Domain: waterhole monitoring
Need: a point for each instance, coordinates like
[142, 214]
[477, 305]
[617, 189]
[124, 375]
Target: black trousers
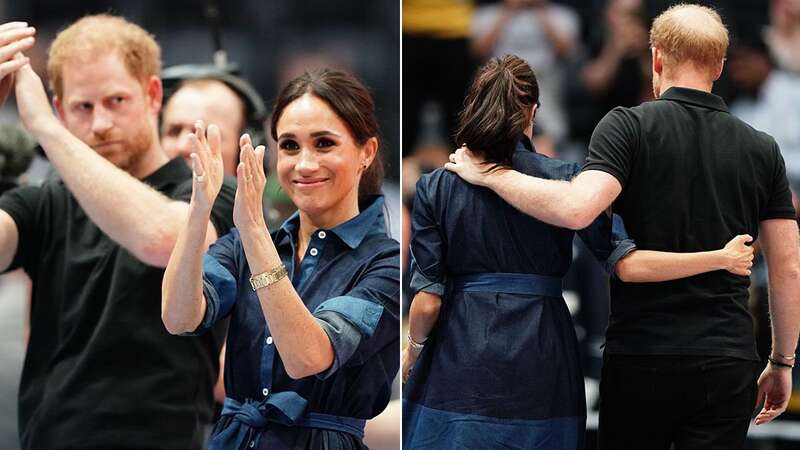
[694, 402]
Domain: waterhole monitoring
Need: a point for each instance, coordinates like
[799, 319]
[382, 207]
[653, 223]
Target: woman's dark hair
[497, 109]
[351, 101]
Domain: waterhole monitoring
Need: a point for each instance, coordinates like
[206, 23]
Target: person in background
[544, 34]
[437, 64]
[783, 34]
[214, 96]
[766, 98]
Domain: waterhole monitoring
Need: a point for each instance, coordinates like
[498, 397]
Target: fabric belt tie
[284, 408]
[508, 283]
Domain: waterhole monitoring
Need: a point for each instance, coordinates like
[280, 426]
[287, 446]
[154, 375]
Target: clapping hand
[15, 38]
[206, 165]
[248, 209]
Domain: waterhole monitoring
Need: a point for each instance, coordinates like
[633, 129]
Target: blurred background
[267, 44]
[590, 56]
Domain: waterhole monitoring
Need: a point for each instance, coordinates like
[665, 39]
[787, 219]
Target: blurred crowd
[589, 57]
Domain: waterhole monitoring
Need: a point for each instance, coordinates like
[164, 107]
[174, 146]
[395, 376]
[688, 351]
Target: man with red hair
[101, 371]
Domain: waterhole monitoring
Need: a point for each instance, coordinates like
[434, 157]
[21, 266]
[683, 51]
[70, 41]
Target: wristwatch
[267, 278]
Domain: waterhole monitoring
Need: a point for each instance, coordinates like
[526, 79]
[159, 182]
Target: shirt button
[269, 340]
[265, 391]
[252, 444]
[322, 235]
[314, 252]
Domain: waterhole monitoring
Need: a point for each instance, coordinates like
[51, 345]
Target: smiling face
[110, 110]
[319, 164]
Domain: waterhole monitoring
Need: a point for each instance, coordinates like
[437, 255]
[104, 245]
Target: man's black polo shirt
[101, 371]
[693, 176]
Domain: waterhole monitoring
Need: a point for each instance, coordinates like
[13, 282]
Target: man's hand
[15, 37]
[469, 167]
[774, 389]
[32, 102]
[206, 165]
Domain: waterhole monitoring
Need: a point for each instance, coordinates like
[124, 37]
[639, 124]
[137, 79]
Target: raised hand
[739, 255]
[15, 37]
[33, 106]
[248, 209]
[206, 164]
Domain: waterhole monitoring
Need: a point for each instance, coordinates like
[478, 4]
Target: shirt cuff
[212, 310]
[623, 249]
[347, 321]
[344, 338]
[420, 283]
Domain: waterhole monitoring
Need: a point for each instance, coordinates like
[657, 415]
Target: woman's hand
[408, 359]
[739, 256]
[206, 165]
[248, 208]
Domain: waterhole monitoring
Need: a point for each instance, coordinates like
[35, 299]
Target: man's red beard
[124, 153]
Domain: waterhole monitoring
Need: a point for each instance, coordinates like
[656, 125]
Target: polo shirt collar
[695, 97]
[368, 222]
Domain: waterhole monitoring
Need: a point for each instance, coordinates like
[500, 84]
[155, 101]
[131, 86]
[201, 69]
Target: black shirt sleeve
[779, 204]
[22, 204]
[222, 213]
[612, 146]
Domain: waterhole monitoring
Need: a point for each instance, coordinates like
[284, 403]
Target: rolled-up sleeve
[219, 280]
[364, 320]
[608, 241]
[427, 244]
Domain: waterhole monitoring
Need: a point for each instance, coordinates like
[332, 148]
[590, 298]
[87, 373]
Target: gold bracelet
[268, 278]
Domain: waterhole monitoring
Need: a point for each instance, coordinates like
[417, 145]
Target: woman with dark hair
[313, 336]
[492, 357]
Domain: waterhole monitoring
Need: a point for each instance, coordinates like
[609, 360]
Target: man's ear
[658, 60]
[155, 93]
[59, 107]
[718, 73]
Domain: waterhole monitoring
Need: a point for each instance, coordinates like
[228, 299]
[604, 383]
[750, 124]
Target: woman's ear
[369, 150]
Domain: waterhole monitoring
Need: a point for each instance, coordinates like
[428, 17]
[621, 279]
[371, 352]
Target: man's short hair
[99, 34]
[688, 33]
[208, 84]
